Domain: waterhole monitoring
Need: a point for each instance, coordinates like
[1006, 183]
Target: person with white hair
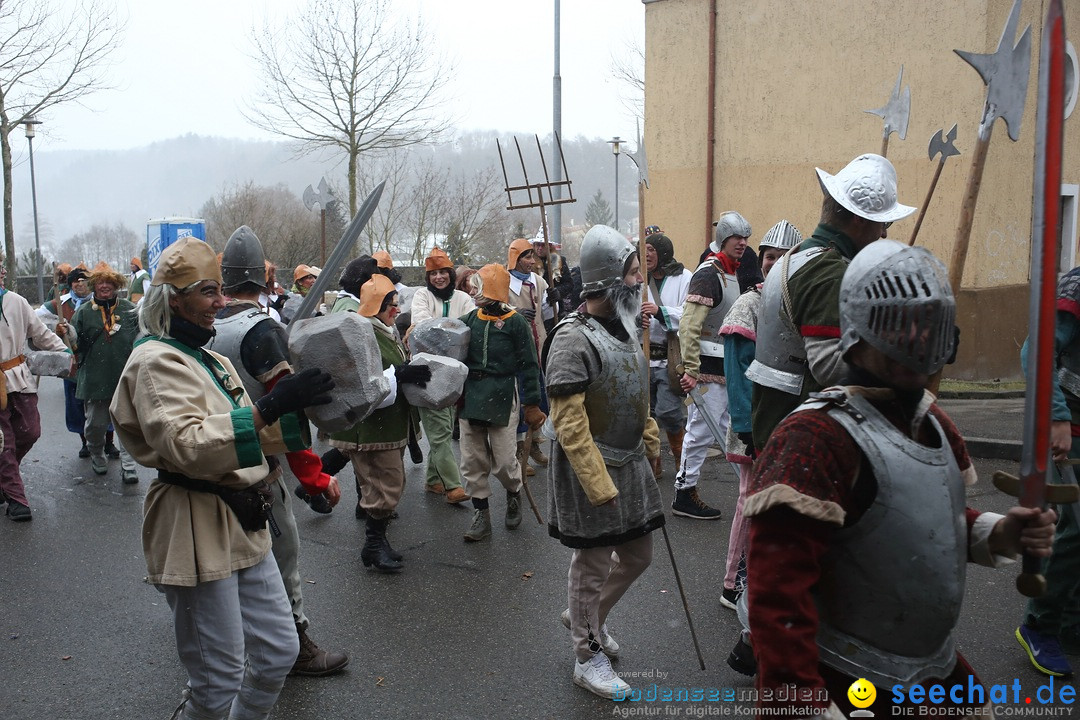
[182, 410]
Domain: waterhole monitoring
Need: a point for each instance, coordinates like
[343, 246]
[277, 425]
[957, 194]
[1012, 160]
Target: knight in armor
[797, 350]
[713, 289]
[1051, 625]
[603, 500]
[257, 346]
[740, 332]
[669, 282]
[440, 299]
[859, 534]
[500, 349]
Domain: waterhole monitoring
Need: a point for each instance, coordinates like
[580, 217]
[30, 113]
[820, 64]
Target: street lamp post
[30, 122]
[615, 148]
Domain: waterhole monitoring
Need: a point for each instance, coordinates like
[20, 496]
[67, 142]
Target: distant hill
[77, 189]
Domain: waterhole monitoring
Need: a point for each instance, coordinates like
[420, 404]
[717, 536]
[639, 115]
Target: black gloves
[553, 296]
[528, 313]
[279, 304]
[295, 392]
[415, 374]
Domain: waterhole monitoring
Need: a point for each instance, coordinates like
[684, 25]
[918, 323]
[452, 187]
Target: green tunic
[388, 428]
[815, 302]
[496, 356]
[102, 355]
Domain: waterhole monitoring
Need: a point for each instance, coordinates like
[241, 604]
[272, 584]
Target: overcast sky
[183, 68]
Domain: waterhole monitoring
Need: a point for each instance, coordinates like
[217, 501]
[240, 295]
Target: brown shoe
[537, 455]
[313, 661]
[657, 471]
[456, 495]
[436, 488]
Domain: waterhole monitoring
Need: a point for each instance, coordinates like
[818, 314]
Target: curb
[991, 449]
[980, 394]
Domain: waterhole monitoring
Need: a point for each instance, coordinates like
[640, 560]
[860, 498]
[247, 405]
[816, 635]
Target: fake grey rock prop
[344, 345]
[49, 362]
[292, 304]
[448, 337]
[443, 390]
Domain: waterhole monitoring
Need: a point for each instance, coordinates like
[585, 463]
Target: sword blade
[1045, 218]
[699, 400]
[334, 262]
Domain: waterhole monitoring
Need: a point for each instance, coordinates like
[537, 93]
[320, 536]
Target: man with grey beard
[603, 498]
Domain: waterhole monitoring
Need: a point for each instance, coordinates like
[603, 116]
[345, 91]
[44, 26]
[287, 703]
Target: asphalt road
[467, 631]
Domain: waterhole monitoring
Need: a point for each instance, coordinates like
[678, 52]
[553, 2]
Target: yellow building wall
[792, 82]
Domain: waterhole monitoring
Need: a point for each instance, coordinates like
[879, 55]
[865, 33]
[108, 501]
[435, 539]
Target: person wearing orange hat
[303, 278]
[376, 445]
[529, 295]
[103, 333]
[439, 298]
[385, 266]
[140, 281]
[500, 347]
[180, 410]
[60, 282]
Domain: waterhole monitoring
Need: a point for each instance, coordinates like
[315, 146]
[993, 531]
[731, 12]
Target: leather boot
[513, 509]
[480, 527]
[675, 440]
[524, 461]
[313, 661]
[386, 539]
[376, 551]
[537, 454]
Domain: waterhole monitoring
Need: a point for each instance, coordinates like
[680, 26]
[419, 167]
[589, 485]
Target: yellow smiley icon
[862, 693]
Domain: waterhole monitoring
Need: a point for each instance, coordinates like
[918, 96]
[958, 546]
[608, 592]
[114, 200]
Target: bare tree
[629, 72]
[477, 211]
[50, 53]
[114, 244]
[428, 206]
[288, 232]
[349, 76]
[386, 222]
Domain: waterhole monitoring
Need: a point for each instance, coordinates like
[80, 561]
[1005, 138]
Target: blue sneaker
[1044, 651]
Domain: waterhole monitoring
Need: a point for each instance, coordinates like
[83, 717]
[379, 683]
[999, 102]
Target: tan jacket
[172, 414]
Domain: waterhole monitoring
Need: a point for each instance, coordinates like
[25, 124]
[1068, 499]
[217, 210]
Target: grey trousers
[97, 422]
[598, 578]
[223, 623]
[286, 548]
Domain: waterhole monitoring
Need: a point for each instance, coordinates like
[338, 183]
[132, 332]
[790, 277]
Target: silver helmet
[730, 223]
[782, 236]
[243, 260]
[603, 256]
[866, 186]
[897, 298]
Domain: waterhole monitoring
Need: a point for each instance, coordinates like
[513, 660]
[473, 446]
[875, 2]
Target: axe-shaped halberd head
[321, 198]
[895, 112]
[943, 145]
[1005, 74]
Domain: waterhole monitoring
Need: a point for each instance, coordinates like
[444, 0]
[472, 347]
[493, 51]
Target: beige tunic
[531, 298]
[172, 414]
[19, 324]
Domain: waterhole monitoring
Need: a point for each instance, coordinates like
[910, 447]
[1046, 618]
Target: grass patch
[991, 386]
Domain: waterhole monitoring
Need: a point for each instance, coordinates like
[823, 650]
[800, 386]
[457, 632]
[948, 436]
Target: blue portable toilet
[162, 233]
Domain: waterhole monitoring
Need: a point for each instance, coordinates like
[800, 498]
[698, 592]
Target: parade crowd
[806, 362]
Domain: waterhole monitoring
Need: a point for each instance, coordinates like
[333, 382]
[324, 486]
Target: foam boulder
[448, 337]
[344, 345]
[443, 390]
[53, 363]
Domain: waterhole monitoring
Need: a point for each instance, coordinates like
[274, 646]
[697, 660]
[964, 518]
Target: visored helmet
[603, 256]
[243, 260]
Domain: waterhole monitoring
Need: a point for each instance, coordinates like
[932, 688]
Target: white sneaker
[607, 643]
[597, 677]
